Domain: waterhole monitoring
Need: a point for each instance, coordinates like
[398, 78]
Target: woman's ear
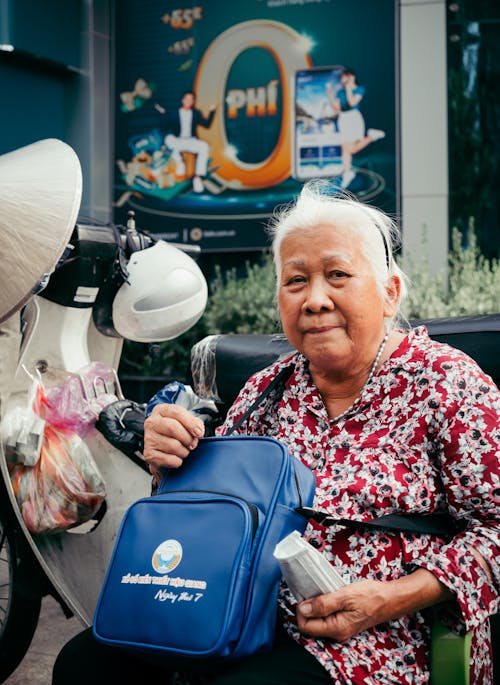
[392, 295]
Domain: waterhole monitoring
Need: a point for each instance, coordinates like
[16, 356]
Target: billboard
[223, 111]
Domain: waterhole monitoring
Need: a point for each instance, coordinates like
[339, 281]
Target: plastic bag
[64, 487]
[22, 432]
[176, 392]
[76, 402]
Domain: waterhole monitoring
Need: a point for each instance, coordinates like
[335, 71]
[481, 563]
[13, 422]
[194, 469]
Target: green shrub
[470, 286]
[243, 305]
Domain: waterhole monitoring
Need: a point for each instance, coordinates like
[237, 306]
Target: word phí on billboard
[261, 101]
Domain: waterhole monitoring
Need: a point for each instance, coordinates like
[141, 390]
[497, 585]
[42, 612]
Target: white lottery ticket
[305, 570]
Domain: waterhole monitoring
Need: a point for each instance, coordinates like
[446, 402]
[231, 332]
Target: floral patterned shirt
[424, 437]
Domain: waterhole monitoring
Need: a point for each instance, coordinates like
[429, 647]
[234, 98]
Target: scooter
[113, 282]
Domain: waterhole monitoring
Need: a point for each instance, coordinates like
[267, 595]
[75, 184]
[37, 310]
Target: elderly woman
[390, 422]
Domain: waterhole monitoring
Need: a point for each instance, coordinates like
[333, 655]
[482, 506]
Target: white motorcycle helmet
[165, 296]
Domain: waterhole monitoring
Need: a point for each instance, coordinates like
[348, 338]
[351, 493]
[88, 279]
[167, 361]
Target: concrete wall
[424, 128]
[91, 128]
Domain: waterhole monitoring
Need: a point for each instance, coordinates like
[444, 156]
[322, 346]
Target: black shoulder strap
[429, 524]
[278, 383]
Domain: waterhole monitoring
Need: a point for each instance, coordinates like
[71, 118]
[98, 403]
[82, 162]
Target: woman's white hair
[316, 205]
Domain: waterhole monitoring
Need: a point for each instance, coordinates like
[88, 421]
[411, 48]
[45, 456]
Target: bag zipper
[254, 511]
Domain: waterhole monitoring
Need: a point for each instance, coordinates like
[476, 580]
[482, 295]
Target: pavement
[53, 631]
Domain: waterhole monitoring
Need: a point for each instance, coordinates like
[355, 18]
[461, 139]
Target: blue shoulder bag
[192, 572]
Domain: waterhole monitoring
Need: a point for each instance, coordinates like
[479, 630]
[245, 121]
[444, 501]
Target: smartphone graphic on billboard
[316, 145]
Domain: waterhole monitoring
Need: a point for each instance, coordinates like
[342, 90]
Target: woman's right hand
[170, 433]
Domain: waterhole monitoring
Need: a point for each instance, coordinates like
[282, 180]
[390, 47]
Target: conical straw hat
[40, 193]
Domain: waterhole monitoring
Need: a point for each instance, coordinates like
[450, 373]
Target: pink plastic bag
[76, 403]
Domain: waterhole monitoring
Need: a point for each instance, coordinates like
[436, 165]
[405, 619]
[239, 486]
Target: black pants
[84, 661]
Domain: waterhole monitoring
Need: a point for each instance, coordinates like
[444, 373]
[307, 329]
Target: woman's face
[331, 307]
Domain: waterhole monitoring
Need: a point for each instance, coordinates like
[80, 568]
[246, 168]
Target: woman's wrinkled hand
[171, 432]
[344, 613]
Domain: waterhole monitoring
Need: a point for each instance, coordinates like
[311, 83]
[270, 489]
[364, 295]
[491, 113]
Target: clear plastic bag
[64, 486]
[176, 392]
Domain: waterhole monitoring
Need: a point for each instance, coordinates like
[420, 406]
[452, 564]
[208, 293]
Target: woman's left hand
[344, 613]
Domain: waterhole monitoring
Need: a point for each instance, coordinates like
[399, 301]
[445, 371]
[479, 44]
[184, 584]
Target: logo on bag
[167, 556]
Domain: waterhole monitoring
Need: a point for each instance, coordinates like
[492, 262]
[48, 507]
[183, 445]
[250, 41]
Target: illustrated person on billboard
[351, 124]
[182, 138]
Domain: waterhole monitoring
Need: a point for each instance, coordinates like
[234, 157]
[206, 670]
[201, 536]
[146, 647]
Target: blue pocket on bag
[171, 578]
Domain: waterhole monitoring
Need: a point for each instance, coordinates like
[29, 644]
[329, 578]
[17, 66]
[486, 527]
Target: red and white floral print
[424, 437]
